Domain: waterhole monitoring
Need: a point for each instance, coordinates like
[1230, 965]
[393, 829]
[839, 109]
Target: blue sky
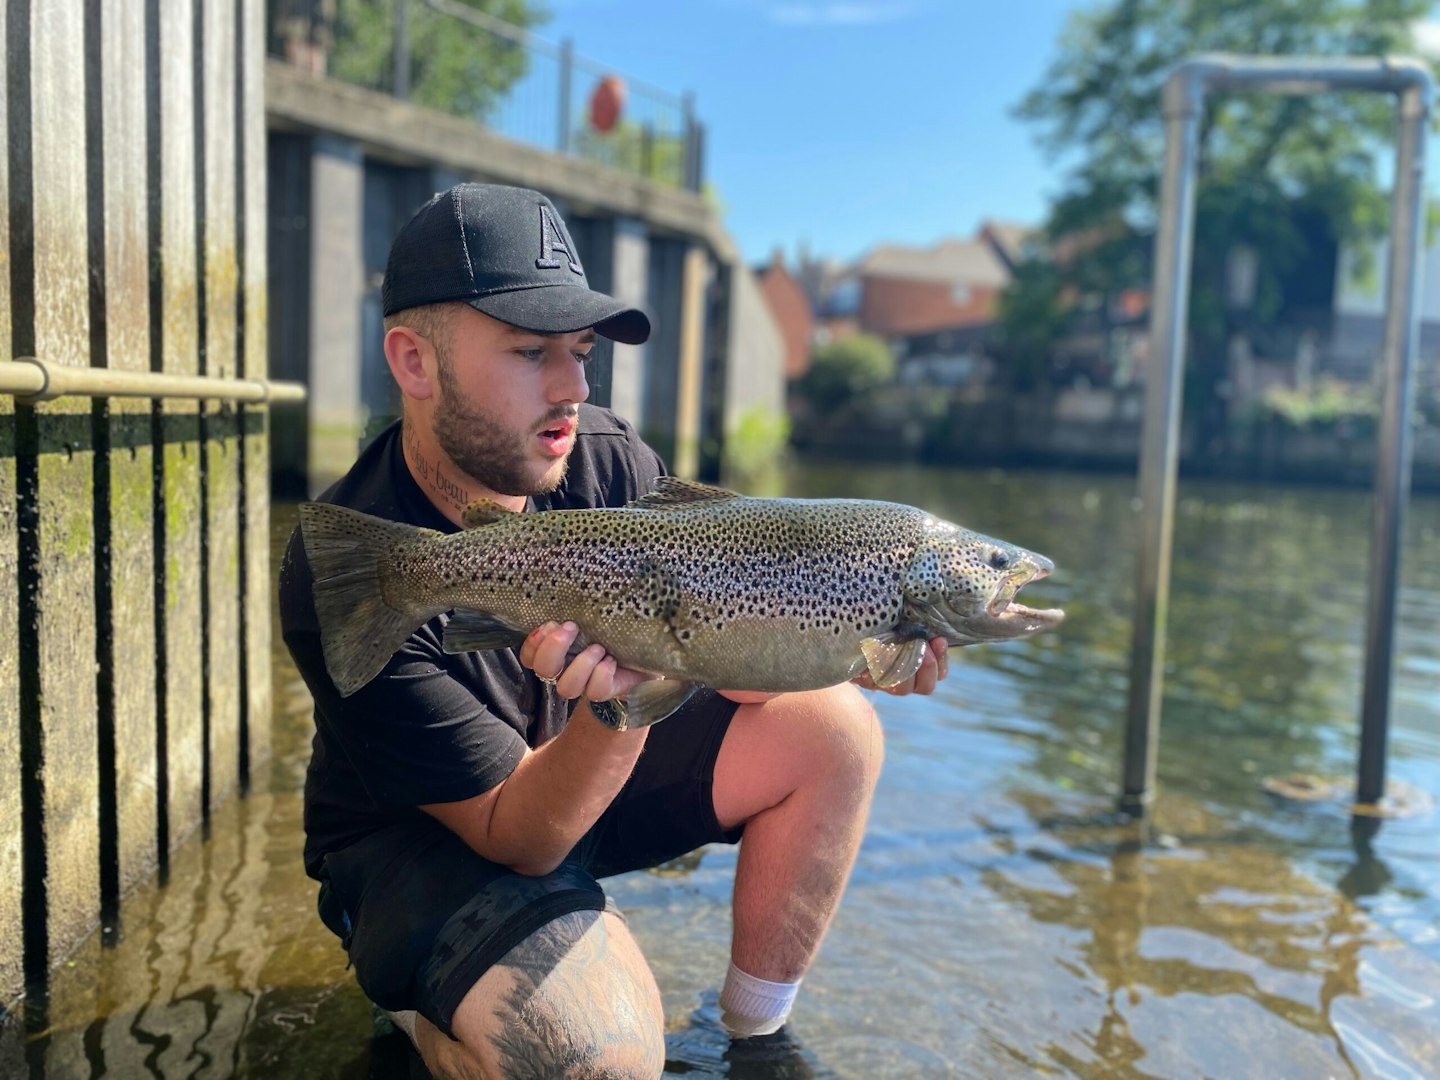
[845, 123]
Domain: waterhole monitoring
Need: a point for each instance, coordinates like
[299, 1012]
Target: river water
[1001, 921]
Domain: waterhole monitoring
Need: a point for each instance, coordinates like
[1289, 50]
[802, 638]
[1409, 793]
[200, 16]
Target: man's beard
[482, 447]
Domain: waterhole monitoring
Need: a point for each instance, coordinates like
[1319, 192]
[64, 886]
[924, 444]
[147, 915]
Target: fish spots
[831, 572]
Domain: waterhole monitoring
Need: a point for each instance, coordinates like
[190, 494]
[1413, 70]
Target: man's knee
[575, 999]
[841, 731]
[831, 734]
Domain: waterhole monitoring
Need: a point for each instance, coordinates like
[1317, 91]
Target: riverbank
[1095, 430]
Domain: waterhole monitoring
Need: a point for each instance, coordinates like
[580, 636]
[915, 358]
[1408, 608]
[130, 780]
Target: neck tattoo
[418, 461]
[450, 489]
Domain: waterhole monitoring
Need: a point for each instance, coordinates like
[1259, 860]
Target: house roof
[1009, 237]
[956, 262]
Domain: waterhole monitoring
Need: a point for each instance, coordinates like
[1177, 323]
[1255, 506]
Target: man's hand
[593, 674]
[534, 817]
[934, 667]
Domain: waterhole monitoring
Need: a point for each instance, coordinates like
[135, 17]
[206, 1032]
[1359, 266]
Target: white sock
[751, 1006]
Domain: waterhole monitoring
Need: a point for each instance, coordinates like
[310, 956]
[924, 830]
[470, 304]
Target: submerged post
[1393, 454]
[1183, 99]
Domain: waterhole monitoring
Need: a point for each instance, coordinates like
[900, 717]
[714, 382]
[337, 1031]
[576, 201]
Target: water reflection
[1002, 919]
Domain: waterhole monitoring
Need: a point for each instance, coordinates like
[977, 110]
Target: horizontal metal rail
[30, 379]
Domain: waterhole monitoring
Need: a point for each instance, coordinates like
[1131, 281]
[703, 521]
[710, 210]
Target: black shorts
[422, 917]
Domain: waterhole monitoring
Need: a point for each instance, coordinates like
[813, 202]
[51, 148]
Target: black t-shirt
[432, 726]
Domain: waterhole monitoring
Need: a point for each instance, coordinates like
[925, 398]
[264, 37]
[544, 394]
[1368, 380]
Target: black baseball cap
[504, 251]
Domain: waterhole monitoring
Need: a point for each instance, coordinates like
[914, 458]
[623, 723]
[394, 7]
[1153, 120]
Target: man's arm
[532, 819]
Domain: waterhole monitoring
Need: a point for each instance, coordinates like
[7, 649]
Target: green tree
[1032, 316]
[843, 370]
[455, 66]
[1281, 178]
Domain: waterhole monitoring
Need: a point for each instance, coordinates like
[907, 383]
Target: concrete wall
[629, 282]
[755, 377]
[134, 574]
[336, 285]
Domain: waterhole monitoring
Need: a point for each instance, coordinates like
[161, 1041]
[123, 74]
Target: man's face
[508, 401]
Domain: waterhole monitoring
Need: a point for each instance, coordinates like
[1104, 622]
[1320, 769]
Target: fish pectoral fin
[646, 704]
[483, 512]
[468, 631]
[671, 492]
[890, 660]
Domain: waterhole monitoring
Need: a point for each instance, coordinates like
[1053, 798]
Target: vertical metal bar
[689, 168]
[698, 183]
[567, 67]
[1393, 456]
[1160, 438]
[401, 82]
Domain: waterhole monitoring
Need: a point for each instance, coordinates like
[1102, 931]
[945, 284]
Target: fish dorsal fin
[671, 491]
[483, 512]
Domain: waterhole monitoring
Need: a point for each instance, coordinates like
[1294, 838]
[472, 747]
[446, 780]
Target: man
[459, 808]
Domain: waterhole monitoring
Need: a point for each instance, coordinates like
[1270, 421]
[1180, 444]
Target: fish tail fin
[359, 630]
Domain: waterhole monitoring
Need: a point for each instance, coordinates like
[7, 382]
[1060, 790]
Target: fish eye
[999, 560]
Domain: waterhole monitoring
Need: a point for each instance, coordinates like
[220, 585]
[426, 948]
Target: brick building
[790, 308]
[906, 291]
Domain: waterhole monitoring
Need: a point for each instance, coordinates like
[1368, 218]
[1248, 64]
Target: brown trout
[702, 586]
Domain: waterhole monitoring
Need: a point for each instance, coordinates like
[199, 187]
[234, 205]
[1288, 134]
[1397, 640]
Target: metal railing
[447, 55]
[1184, 98]
[30, 379]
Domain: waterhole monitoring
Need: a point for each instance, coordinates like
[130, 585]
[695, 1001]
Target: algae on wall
[11, 930]
[55, 473]
[134, 549]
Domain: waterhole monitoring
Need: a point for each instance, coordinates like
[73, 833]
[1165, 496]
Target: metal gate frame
[1183, 100]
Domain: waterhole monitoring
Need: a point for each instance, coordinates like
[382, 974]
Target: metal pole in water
[1393, 452]
[1160, 434]
[1411, 82]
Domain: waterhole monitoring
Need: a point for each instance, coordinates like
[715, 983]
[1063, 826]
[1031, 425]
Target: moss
[755, 446]
[182, 513]
[131, 483]
[67, 503]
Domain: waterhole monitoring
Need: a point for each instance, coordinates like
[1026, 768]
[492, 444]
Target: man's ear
[406, 353]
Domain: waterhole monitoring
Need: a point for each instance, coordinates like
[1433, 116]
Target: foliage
[455, 67]
[1332, 403]
[843, 370]
[1329, 402]
[1284, 177]
[634, 148]
[1032, 315]
[755, 446]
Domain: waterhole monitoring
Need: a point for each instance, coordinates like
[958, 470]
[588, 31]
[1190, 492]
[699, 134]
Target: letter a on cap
[553, 239]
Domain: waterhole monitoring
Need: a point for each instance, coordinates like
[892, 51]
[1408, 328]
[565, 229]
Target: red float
[606, 102]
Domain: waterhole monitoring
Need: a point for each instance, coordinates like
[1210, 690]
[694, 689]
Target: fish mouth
[1021, 618]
